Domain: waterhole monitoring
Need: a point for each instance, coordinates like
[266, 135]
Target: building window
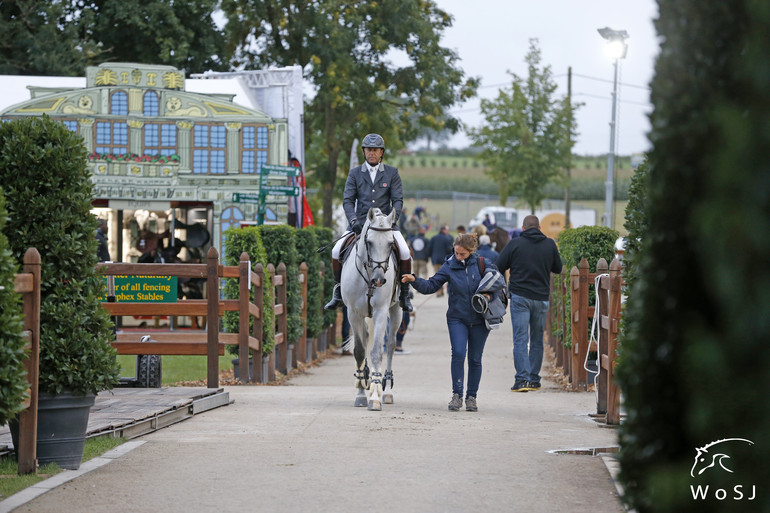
[209, 149]
[151, 104]
[253, 148]
[160, 139]
[71, 125]
[119, 104]
[111, 137]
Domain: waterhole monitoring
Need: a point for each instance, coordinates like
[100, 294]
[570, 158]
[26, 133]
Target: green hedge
[324, 236]
[248, 239]
[12, 375]
[306, 249]
[281, 246]
[48, 193]
[695, 357]
[591, 243]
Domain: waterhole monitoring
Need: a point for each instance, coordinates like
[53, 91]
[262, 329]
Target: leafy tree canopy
[352, 52]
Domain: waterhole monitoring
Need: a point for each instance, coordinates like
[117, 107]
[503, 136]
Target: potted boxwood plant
[48, 197]
[12, 380]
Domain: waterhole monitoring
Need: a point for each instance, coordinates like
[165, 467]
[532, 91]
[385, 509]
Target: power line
[624, 84]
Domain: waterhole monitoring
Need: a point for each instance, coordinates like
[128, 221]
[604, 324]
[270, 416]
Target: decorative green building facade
[163, 159]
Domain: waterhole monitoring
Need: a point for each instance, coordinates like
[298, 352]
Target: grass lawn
[11, 482]
[175, 369]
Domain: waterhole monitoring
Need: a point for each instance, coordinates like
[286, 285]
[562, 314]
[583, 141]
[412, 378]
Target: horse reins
[371, 265]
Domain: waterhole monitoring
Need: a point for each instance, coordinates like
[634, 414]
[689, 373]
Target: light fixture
[616, 49]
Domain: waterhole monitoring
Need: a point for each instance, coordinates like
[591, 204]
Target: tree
[348, 49]
[180, 34]
[63, 37]
[40, 37]
[528, 136]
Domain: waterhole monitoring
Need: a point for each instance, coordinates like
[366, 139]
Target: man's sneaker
[470, 404]
[456, 403]
[520, 386]
[533, 385]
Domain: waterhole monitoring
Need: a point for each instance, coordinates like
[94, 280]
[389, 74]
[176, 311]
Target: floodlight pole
[609, 191]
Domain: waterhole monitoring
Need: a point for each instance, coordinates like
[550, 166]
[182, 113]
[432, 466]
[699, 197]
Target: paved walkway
[304, 447]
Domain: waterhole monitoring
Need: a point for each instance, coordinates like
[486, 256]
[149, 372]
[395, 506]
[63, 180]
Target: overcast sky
[492, 37]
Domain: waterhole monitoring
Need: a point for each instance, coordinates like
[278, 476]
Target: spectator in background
[489, 223]
[485, 250]
[420, 252]
[441, 246]
[531, 259]
[102, 251]
[460, 230]
[412, 227]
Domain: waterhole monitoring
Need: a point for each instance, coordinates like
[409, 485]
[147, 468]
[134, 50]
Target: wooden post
[564, 321]
[258, 333]
[613, 391]
[244, 289]
[302, 349]
[27, 450]
[579, 278]
[602, 300]
[280, 293]
[324, 292]
[212, 320]
[271, 358]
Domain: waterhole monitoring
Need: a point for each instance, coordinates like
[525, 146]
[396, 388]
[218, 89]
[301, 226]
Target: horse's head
[378, 241]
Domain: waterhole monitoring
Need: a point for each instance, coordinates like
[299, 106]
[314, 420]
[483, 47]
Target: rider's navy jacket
[464, 278]
[361, 194]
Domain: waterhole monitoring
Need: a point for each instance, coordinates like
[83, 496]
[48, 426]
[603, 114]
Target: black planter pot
[237, 370]
[62, 421]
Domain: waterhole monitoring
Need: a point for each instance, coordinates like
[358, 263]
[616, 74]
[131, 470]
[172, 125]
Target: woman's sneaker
[456, 403]
[470, 404]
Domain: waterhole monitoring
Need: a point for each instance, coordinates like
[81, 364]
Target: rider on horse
[373, 184]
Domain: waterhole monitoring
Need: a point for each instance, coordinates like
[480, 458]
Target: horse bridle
[371, 265]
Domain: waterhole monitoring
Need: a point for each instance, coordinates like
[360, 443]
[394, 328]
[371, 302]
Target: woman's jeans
[468, 339]
[528, 318]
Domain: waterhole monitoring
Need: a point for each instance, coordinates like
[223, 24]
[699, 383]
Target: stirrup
[336, 300]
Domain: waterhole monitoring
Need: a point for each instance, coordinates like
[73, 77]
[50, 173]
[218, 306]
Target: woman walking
[467, 330]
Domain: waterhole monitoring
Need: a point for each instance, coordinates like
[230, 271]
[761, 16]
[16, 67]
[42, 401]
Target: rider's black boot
[406, 304]
[336, 301]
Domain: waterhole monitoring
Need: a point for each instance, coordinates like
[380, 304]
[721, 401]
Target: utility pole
[569, 157]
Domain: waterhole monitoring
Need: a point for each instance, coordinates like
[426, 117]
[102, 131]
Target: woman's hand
[407, 278]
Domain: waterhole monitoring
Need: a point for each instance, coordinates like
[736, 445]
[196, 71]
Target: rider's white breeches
[403, 248]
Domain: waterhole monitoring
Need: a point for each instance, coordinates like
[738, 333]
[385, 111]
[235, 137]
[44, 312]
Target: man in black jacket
[372, 184]
[531, 259]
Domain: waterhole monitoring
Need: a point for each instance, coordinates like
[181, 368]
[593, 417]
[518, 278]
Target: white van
[505, 217]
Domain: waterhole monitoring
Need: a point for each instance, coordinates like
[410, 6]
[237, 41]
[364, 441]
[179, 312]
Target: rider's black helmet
[373, 141]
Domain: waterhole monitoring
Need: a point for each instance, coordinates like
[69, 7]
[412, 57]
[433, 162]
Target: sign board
[270, 169]
[280, 190]
[245, 197]
[143, 289]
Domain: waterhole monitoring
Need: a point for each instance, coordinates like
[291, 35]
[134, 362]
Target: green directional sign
[280, 190]
[245, 197]
[270, 169]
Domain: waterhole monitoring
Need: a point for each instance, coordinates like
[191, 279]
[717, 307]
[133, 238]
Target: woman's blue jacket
[463, 278]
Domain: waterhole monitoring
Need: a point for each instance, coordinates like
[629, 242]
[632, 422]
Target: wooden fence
[212, 342]
[571, 359]
[27, 283]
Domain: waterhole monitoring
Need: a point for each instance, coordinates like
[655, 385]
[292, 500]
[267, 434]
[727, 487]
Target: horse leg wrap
[388, 376]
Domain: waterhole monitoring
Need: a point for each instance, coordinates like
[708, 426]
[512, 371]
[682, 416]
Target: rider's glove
[356, 226]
